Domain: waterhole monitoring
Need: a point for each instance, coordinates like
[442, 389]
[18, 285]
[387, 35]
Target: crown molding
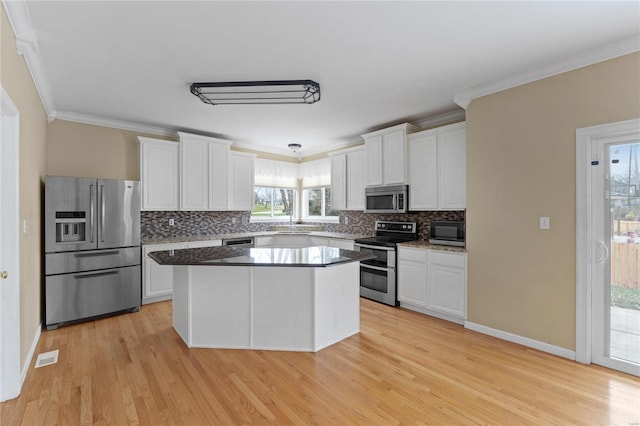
[589, 57]
[117, 124]
[441, 119]
[27, 46]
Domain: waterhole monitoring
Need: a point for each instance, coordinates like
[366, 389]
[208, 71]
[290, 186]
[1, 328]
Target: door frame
[10, 376]
[585, 236]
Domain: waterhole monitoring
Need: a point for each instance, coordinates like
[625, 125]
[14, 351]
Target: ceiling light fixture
[294, 147]
[258, 92]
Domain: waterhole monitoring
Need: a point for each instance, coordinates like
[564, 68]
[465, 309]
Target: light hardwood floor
[403, 367]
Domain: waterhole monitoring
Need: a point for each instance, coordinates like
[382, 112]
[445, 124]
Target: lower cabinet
[268, 241]
[157, 280]
[343, 244]
[433, 282]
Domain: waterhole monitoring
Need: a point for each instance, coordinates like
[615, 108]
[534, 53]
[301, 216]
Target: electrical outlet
[172, 222]
[545, 222]
[233, 220]
[346, 220]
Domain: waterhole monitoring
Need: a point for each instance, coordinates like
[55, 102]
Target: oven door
[378, 275]
[378, 284]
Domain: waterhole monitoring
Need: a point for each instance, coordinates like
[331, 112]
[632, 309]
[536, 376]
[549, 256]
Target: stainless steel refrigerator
[92, 248]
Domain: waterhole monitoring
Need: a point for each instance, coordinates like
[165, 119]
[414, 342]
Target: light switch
[545, 222]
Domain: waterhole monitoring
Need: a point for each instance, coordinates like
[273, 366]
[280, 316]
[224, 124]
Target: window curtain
[315, 173]
[278, 174]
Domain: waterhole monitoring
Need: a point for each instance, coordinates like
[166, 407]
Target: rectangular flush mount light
[258, 92]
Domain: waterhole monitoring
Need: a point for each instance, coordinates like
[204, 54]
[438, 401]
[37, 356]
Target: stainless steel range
[378, 276]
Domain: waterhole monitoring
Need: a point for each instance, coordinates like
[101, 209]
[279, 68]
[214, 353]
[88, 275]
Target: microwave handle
[395, 201]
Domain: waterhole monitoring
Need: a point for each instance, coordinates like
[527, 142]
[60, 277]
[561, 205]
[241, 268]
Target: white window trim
[305, 209]
[257, 219]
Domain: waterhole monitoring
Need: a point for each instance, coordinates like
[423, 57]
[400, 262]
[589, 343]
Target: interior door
[10, 382]
[616, 289]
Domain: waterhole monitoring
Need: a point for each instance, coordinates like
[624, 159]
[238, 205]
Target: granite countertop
[168, 240]
[241, 256]
[424, 244]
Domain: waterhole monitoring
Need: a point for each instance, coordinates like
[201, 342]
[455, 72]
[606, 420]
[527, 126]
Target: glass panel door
[622, 283]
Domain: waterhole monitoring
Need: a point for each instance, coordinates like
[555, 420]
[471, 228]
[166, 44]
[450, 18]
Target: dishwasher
[238, 242]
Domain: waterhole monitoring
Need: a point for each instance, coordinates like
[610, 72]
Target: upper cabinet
[437, 168]
[204, 172]
[241, 171]
[385, 155]
[347, 179]
[159, 166]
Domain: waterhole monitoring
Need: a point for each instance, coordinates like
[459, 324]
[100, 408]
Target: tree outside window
[273, 202]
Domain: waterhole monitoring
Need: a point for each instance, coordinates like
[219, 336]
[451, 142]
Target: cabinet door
[241, 182]
[157, 280]
[339, 182]
[355, 180]
[159, 174]
[292, 241]
[194, 160]
[393, 157]
[318, 241]
[447, 283]
[452, 170]
[423, 173]
[218, 176]
[373, 159]
[412, 276]
[265, 242]
[343, 244]
[207, 243]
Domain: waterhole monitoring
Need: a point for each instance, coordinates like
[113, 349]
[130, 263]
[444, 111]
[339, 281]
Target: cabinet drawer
[455, 260]
[413, 255]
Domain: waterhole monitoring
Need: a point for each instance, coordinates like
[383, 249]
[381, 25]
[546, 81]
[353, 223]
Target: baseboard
[32, 351]
[525, 341]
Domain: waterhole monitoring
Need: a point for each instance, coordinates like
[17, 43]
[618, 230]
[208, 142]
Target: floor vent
[47, 358]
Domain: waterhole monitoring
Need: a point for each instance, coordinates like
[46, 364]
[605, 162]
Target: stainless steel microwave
[386, 199]
[447, 233]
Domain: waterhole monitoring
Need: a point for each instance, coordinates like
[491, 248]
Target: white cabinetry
[318, 241]
[347, 179]
[159, 167]
[433, 282]
[437, 168]
[157, 280]
[339, 243]
[385, 159]
[206, 243]
[447, 286]
[412, 276]
[266, 241]
[241, 167]
[339, 182]
[203, 172]
[291, 241]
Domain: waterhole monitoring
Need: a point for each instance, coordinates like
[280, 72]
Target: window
[273, 202]
[317, 203]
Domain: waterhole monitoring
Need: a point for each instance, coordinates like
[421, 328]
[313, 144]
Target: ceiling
[378, 63]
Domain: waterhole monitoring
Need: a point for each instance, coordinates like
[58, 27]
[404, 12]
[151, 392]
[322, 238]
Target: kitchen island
[291, 299]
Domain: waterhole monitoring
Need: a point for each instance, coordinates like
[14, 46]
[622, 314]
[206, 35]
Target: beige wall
[16, 80]
[86, 150]
[520, 166]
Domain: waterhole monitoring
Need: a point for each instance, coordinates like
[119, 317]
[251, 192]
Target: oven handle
[374, 247]
[377, 268]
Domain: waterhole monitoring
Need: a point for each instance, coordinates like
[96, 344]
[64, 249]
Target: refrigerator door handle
[92, 212]
[103, 211]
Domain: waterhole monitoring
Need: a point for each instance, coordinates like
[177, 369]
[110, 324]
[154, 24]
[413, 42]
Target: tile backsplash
[155, 224]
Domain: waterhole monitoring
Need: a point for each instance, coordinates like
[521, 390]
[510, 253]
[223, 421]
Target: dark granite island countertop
[320, 256]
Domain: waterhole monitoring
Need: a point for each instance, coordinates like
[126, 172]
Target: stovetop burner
[388, 234]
